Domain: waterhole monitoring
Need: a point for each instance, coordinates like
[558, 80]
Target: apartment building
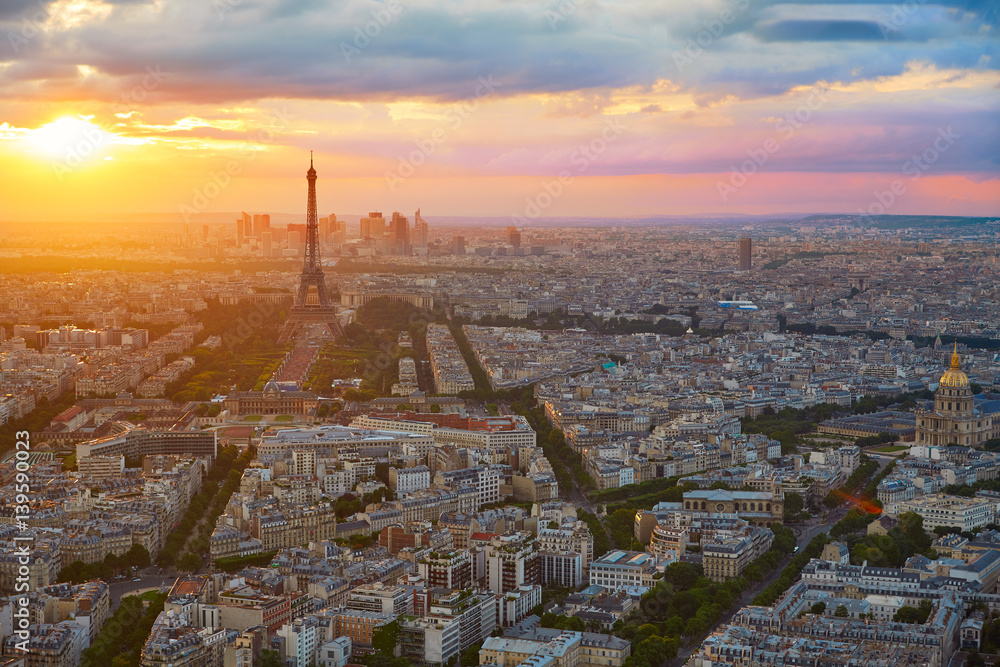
[511, 560]
[405, 480]
[379, 597]
[623, 569]
[726, 558]
[966, 514]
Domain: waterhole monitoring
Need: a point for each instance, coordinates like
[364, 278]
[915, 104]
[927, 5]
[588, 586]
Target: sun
[69, 136]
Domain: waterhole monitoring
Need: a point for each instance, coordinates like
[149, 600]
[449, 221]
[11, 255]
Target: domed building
[958, 417]
[272, 400]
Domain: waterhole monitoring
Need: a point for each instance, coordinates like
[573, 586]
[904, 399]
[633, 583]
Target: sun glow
[69, 136]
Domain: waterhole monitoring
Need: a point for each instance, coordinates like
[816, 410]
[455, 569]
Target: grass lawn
[892, 448]
[284, 418]
[252, 418]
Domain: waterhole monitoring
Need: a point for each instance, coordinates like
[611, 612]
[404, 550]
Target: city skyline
[712, 108]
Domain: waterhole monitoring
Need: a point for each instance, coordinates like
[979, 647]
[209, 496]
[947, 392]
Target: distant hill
[901, 221]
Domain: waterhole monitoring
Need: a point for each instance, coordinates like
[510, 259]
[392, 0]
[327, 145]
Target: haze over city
[468, 110]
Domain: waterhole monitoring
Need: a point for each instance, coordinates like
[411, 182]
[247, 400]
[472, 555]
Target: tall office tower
[247, 225]
[312, 277]
[458, 245]
[421, 233]
[261, 224]
[294, 240]
[240, 232]
[746, 250]
[399, 234]
[339, 232]
[326, 227]
[513, 237]
[265, 240]
[204, 232]
[373, 227]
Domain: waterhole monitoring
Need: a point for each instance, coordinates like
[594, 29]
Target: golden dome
[954, 377]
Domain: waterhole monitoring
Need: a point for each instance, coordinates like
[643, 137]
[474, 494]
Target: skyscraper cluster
[393, 237]
[254, 226]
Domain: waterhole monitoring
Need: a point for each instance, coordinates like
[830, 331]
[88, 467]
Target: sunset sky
[476, 107]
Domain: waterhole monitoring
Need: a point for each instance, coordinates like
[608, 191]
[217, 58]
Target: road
[803, 534]
[120, 589]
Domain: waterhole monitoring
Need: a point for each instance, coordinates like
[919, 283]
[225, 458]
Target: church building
[958, 417]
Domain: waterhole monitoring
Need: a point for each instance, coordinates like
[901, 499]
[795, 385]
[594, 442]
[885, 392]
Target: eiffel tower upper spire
[312, 276]
[311, 261]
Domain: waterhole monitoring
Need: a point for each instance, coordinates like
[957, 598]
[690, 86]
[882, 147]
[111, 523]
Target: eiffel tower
[312, 276]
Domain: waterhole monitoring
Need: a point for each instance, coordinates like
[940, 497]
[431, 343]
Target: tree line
[77, 572]
[120, 641]
[209, 503]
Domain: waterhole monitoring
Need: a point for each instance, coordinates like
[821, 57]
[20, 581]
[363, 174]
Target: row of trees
[566, 464]
[207, 504]
[684, 603]
[870, 491]
[602, 544]
[78, 572]
[621, 525]
[774, 590]
[237, 563]
[120, 641]
[648, 488]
